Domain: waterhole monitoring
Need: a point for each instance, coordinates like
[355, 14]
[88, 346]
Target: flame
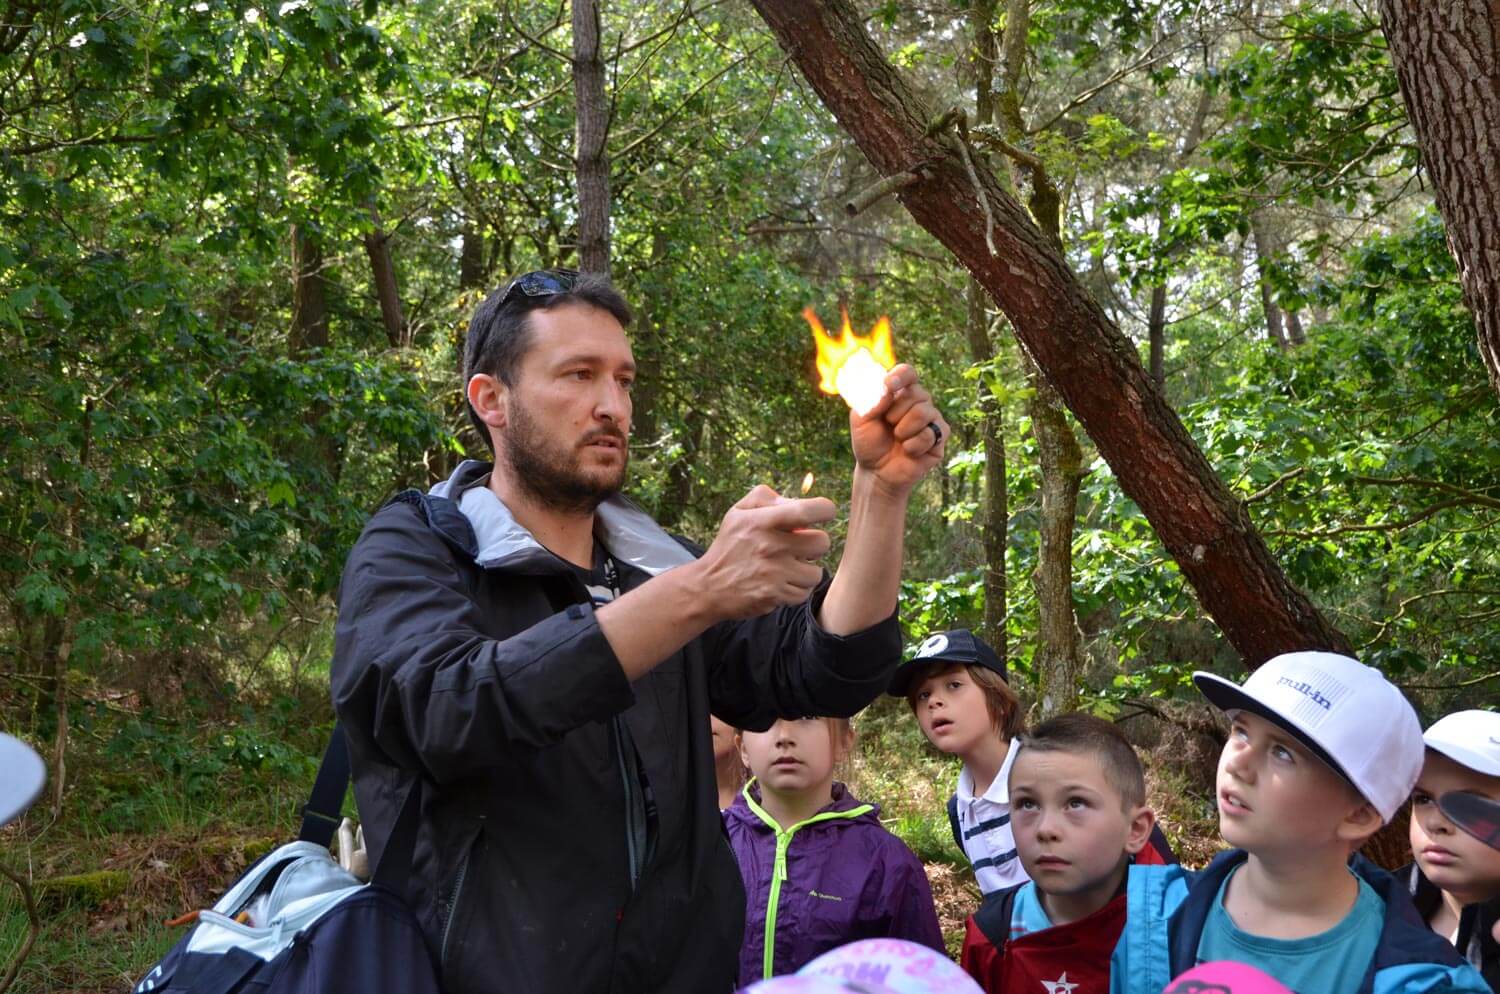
[833, 352]
[807, 484]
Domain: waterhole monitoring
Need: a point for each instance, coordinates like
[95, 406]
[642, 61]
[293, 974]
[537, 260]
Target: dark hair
[500, 334]
[1000, 700]
[1076, 732]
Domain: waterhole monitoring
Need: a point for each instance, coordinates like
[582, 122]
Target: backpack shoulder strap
[958, 833]
[993, 916]
[321, 813]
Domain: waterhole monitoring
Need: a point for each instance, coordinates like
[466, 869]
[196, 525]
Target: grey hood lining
[626, 531]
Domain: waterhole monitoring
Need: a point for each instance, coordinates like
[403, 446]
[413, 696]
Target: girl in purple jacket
[819, 868]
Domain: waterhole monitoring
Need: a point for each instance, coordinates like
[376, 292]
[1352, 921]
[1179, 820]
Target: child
[957, 690]
[1322, 751]
[819, 869]
[1078, 805]
[1455, 879]
[729, 772]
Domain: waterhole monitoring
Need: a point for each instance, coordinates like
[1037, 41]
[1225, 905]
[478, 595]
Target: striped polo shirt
[984, 822]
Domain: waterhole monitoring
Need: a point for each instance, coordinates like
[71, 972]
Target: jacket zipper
[631, 788]
[778, 874]
[458, 889]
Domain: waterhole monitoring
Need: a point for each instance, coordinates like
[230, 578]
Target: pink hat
[795, 985]
[1225, 977]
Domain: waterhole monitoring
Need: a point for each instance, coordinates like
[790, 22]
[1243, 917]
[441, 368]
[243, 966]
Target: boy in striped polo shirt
[957, 690]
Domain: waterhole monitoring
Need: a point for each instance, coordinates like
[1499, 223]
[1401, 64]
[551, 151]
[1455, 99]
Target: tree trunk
[1086, 358]
[591, 167]
[471, 258]
[1058, 662]
[309, 301]
[378, 248]
[1265, 251]
[1156, 330]
[1447, 58]
[994, 516]
[1059, 652]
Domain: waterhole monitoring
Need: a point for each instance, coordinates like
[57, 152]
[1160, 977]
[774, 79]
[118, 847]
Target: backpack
[320, 929]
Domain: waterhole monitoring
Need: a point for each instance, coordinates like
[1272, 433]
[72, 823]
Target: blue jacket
[1167, 909]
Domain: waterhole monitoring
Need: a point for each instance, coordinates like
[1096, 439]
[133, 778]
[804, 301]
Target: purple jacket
[843, 877]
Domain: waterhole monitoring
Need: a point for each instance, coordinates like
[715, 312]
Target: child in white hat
[1455, 878]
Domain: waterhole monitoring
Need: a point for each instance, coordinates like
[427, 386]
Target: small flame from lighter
[807, 484]
[853, 366]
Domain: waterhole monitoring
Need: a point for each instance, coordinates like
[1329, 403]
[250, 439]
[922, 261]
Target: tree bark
[1447, 58]
[591, 167]
[378, 248]
[1087, 359]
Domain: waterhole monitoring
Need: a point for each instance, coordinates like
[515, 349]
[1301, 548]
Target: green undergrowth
[160, 814]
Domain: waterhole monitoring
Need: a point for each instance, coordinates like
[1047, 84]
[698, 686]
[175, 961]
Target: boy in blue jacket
[1322, 751]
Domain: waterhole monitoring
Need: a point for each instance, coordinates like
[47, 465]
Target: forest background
[239, 245]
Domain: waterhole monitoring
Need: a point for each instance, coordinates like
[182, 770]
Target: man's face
[1452, 859]
[568, 413]
[1072, 828]
[1274, 795]
[951, 710]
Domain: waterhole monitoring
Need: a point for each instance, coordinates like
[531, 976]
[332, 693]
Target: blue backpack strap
[958, 833]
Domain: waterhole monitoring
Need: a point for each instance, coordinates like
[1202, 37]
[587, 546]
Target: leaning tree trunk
[383, 271]
[1447, 57]
[591, 167]
[1090, 362]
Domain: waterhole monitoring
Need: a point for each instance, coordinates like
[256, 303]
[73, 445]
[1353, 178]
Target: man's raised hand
[764, 554]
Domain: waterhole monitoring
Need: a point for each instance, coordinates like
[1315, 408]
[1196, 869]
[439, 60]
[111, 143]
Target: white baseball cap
[1469, 738]
[22, 781]
[1346, 713]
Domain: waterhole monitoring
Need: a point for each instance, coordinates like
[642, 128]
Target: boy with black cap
[957, 690]
[1322, 751]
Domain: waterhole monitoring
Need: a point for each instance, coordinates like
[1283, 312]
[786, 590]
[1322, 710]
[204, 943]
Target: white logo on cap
[934, 645]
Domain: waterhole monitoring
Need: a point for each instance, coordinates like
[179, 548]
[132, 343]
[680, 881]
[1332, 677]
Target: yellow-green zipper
[778, 874]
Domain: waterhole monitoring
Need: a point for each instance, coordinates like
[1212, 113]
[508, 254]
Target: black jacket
[468, 665]
[1476, 943]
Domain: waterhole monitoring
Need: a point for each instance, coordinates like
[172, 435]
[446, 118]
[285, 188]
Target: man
[527, 661]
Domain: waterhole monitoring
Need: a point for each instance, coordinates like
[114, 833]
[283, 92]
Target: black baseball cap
[957, 646]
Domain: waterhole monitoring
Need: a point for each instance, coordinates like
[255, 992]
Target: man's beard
[553, 478]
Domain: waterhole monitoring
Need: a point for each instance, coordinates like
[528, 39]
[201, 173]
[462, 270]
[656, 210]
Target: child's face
[1449, 857]
[951, 710]
[1073, 830]
[1276, 797]
[723, 736]
[792, 756]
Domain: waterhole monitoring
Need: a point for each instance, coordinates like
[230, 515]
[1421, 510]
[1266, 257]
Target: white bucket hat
[1346, 713]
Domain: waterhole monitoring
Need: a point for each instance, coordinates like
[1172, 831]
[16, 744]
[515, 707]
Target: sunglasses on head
[540, 283]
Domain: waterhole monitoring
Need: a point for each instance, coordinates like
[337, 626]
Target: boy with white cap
[1455, 878]
[1322, 751]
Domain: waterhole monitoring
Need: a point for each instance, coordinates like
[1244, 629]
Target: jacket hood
[1404, 939]
[843, 801]
[486, 530]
